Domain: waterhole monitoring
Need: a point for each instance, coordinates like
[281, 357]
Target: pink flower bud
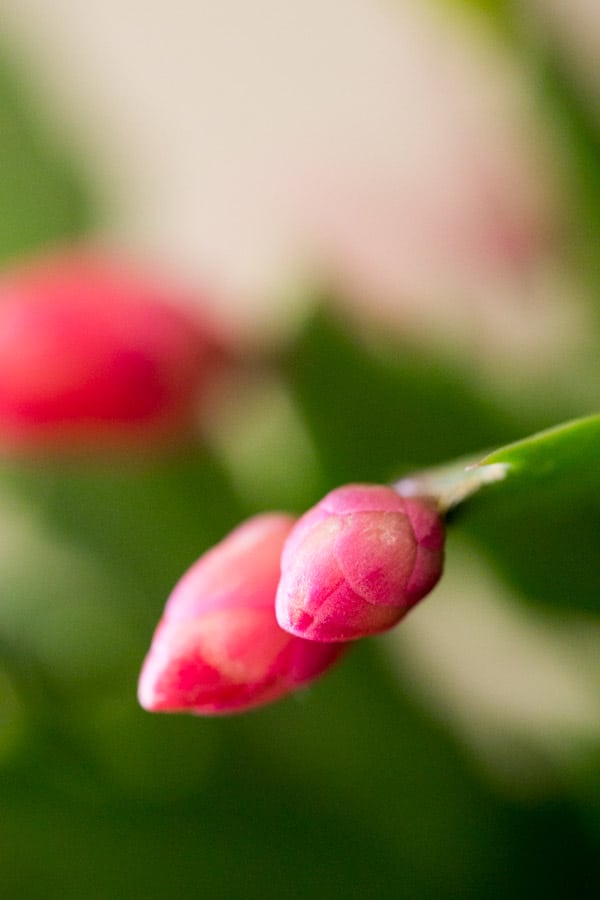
[90, 352]
[218, 648]
[356, 562]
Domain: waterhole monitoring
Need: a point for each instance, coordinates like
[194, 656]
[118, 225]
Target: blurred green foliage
[42, 197]
[355, 789]
[552, 79]
[378, 408]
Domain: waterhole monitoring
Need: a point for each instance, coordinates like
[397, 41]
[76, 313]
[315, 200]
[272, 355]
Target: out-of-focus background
[393, 210]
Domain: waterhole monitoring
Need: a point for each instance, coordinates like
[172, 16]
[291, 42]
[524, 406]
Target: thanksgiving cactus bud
[218, 648]
[355, 563]
[93, 353]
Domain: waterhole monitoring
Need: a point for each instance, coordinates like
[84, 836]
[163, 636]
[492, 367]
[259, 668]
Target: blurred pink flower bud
[357, 561]
[218, 648]
[93, 353]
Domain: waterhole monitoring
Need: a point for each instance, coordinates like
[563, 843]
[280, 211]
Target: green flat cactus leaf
[533, 507]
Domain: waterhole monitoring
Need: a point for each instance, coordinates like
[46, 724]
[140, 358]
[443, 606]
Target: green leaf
[566, 457]
[534, 508]
[562, 459]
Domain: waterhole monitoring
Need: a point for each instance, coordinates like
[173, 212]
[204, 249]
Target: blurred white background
[395, 147]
